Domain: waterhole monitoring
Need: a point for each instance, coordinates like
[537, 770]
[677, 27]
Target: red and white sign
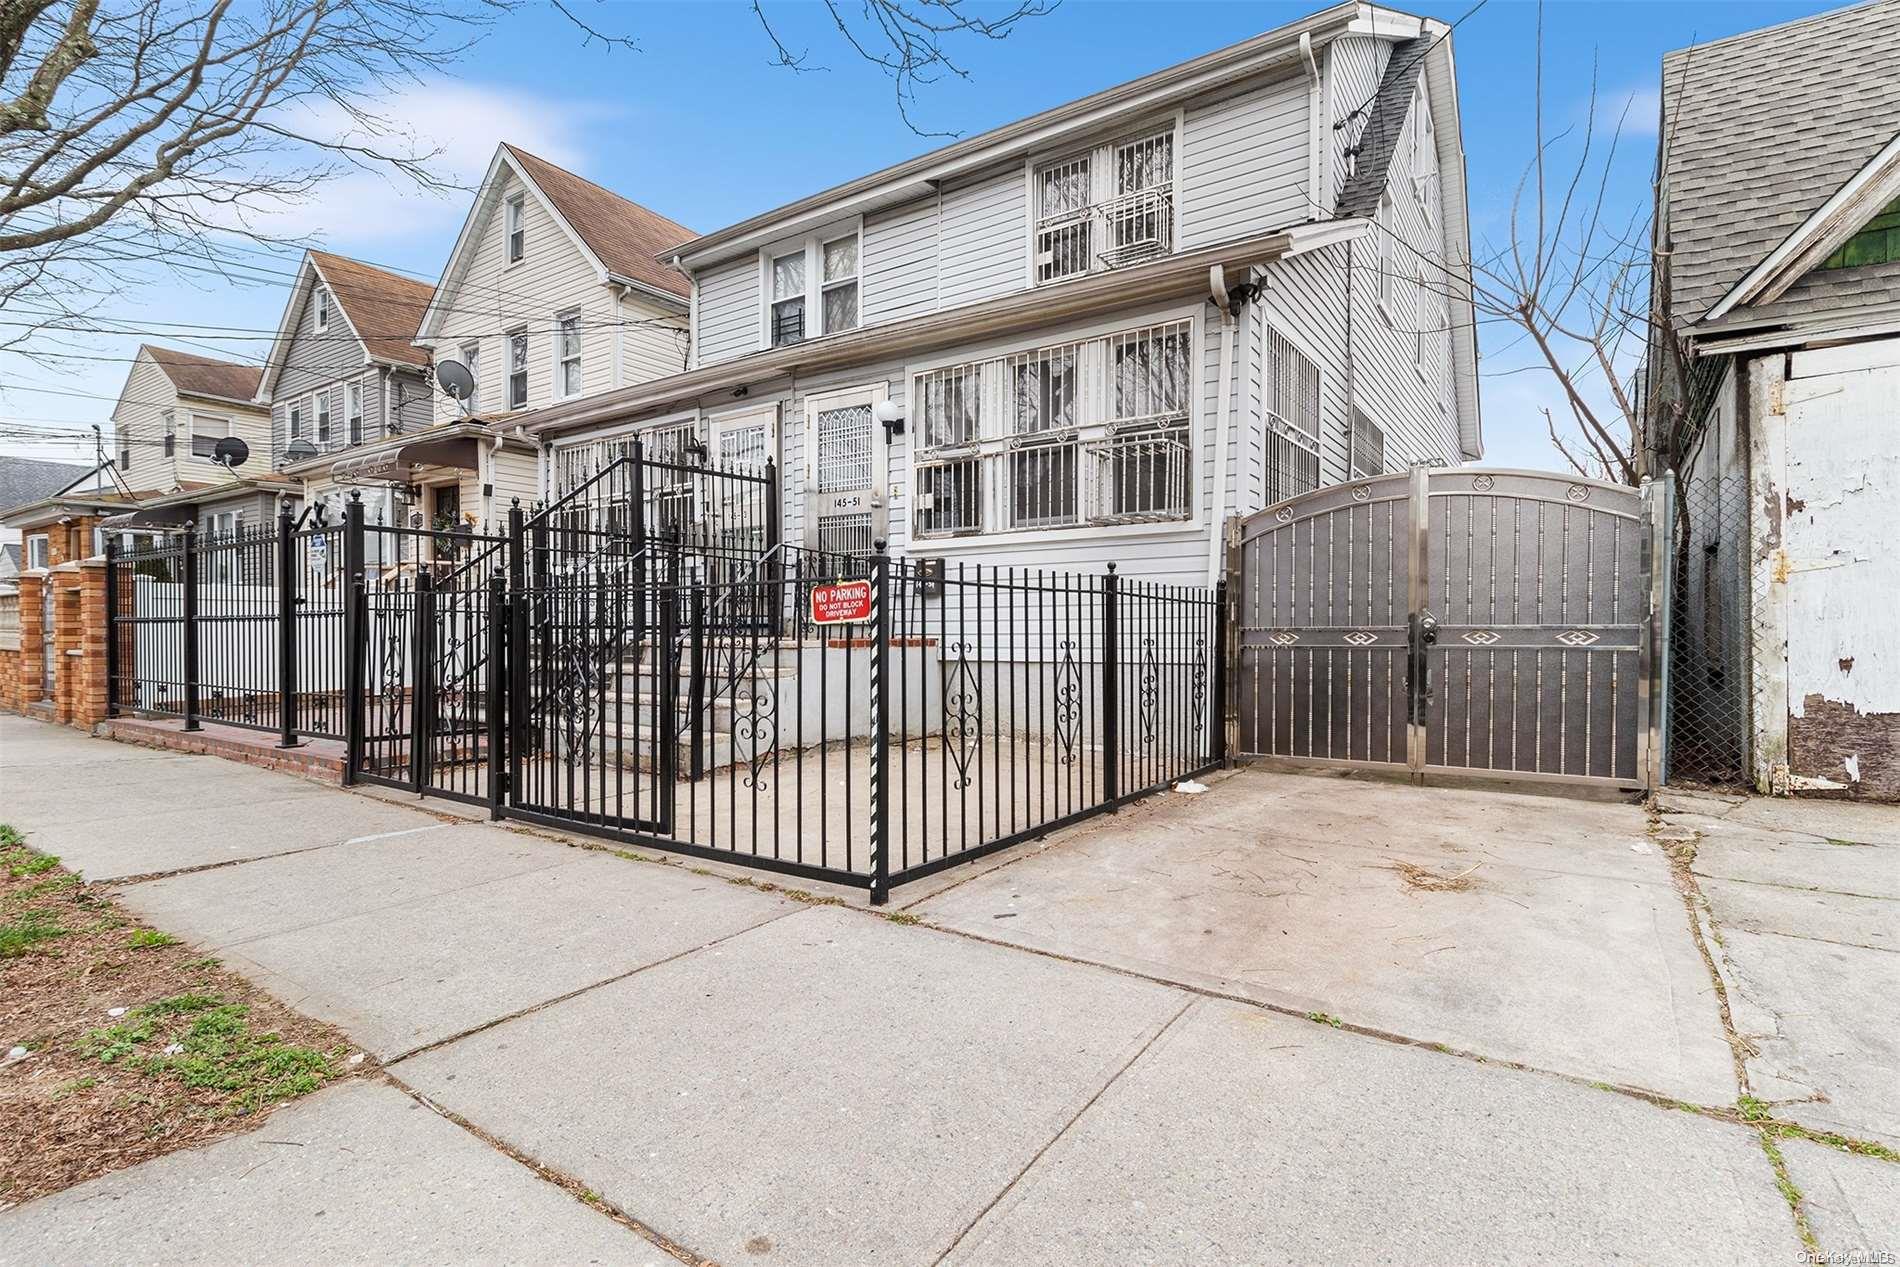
[841, 603]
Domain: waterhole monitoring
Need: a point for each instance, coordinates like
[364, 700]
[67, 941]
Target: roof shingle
[627, 237]
[196, 375]
[383, 308]
[1762, 128]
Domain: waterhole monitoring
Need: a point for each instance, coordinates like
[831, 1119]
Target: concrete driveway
[1097, 1049]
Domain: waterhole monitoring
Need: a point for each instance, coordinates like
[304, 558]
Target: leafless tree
[167, 131]
[1581, 281]
[907, 40]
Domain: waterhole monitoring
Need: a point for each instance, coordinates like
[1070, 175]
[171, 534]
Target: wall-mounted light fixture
[891, 416]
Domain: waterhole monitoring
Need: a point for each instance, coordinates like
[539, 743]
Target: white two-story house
[1098, 332]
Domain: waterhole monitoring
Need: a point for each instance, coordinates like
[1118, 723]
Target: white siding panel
[984, 230]
[729, 311]
[900, 263]
[1243, 165]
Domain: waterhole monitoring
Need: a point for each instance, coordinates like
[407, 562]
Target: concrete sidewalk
[741, 1077]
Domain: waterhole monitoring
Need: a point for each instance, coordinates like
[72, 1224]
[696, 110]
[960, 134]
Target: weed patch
[146, 938]
[27, 930]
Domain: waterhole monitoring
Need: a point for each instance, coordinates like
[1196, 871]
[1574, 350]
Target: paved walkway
[1091, 1051]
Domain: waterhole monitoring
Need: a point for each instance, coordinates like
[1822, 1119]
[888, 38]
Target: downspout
[1315, 200]
[541, 473]
[1223, 408]
[488, 484]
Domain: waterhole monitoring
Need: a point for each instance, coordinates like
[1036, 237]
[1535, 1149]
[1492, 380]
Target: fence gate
[1455, 620]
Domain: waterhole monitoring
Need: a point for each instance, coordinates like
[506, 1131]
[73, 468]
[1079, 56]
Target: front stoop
[314, 758]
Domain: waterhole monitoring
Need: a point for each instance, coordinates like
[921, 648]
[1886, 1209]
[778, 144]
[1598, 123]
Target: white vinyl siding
[1243, 165]
[900, 263]
[623, 340]
[984, 239]
[728, 311]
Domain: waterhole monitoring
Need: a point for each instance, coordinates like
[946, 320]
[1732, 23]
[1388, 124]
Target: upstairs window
[811, 287]
[841, 284]
[353, 409]
[1091, 432]
[516, 228]
[788, 298]
[171, 433]
[323, 309]
[1878, 243]
[206, 431]
[296, 422]
[39, 551]
[472, 357]
[567, 347]
[1108, 207]
[1385, 228]
[517, 369]
[125, 457]
[1292, 392]
[1424, 146]
[323, 417]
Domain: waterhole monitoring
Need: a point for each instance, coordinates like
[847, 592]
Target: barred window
[1368, 447]
[1292, 420]
[1088, 432]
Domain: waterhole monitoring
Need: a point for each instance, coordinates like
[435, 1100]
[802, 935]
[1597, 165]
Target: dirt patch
[119, 1043]
[1422, 880]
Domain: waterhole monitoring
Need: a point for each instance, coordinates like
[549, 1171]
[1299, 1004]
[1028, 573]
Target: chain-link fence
[1710, 696]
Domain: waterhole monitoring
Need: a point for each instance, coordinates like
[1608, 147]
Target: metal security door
[1454, 621]
[844, 495]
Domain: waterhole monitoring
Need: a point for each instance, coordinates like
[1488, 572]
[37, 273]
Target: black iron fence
[852, 718]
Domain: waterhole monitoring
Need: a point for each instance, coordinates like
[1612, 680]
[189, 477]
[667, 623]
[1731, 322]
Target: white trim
[1814, 239]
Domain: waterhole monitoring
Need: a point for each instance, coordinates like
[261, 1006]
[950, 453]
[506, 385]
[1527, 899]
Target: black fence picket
[644, 660]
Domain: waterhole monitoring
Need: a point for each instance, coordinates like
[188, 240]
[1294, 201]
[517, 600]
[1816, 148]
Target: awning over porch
[391, 464]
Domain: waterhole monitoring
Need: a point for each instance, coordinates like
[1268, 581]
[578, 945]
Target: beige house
[172, 412]
[555, 290]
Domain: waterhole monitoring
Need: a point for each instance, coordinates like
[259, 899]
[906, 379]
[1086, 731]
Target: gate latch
[1428, 630]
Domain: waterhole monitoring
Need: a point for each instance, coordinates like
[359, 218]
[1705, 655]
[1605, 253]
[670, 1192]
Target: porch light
[891, 418]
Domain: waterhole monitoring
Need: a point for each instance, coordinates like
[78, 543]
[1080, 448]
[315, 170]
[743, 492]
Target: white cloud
[459, 124]
[1636, 110]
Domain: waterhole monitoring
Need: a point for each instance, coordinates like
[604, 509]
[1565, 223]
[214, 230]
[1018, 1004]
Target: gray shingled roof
[1385, 124]
[1762, 128]
[24, 480]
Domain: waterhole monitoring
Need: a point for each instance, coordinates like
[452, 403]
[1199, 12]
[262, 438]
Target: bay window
[1094, 431]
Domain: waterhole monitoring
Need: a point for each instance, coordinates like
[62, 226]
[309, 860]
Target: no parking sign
[841, 603]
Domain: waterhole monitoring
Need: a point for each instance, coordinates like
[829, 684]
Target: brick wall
[78, 695]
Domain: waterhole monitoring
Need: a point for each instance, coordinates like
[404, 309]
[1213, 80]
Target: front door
[846, 462]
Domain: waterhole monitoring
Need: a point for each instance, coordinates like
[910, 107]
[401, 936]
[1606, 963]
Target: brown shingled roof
[195, 375]
[383, 308]
[628, 238]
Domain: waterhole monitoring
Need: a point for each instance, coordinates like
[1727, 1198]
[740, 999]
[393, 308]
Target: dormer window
[1105, 208]
[323, 310]
[811, 287]
[514, 223]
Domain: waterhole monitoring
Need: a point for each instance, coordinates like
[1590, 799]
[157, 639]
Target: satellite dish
[456, 381]
[299, 451]
[231, 453]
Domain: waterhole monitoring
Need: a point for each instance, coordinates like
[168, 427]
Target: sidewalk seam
[1064, 1129]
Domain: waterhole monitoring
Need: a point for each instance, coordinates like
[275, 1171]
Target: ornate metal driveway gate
[1455, 621]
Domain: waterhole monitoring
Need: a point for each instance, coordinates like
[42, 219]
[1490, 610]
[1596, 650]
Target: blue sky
[699, 125]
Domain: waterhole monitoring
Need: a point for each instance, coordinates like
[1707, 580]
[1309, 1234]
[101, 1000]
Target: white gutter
[1223, 407]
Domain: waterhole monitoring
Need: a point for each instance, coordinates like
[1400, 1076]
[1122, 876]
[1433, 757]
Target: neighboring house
[555, 290]
[1099, 332]
[1778, 212]
[22, 482]
[344, 374]
[174, 408]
